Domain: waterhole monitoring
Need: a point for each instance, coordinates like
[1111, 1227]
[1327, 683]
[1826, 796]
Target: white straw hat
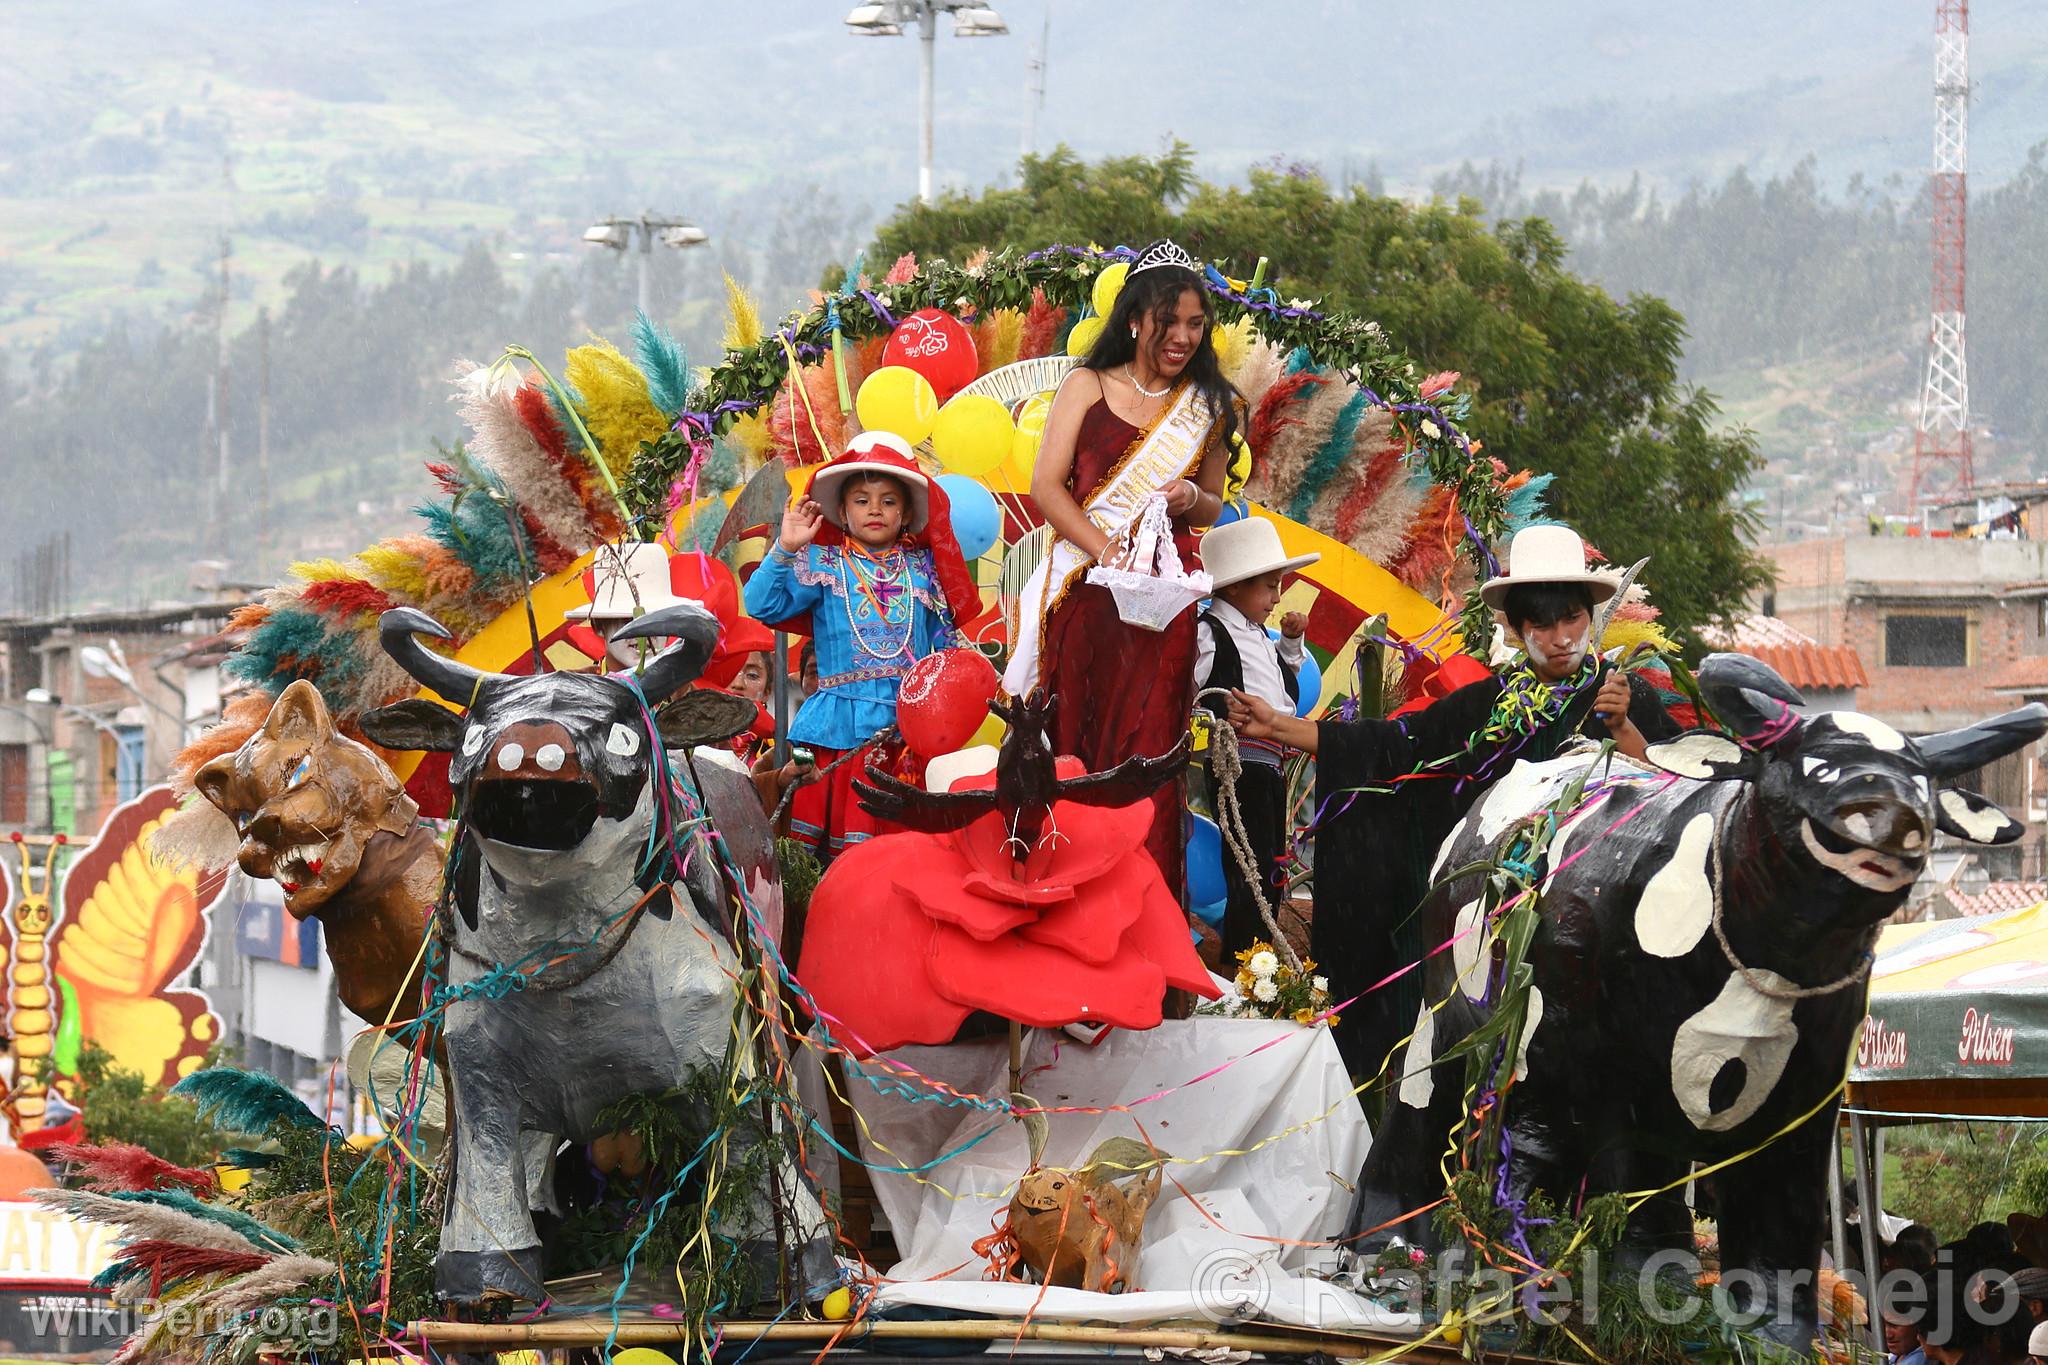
[1545, 554]
[632, 581]
[943, 772]
[1245, 549]
[874, 452]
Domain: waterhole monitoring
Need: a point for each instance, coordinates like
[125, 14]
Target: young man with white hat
[1389, 791]
[1233, 651]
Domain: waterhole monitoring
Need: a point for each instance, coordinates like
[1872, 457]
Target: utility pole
[1942, 456]
[262, 442]
[1034, 86]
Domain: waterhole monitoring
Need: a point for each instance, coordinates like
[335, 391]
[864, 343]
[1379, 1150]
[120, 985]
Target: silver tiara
[1164, 252]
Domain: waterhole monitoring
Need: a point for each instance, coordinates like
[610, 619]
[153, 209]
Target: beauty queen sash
[1171, 450]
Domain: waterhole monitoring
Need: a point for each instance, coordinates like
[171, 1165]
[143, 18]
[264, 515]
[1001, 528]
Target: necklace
[875, 586]
[1149, 393]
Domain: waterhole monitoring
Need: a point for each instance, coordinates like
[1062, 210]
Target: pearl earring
[1134, 334]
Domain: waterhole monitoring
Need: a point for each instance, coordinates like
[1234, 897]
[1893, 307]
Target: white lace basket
[1154, 588]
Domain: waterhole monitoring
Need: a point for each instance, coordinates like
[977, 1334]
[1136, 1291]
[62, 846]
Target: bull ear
[704, 716]
[414, 724]
[1970, 817]
[1706, 755]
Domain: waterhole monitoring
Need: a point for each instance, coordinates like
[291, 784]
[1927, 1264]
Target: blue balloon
[1233, 511]
[977, 521]
[1309, 681]
[1207, 892]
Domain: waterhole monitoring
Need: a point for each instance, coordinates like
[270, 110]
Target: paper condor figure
[1644, 1046]
[557, 792]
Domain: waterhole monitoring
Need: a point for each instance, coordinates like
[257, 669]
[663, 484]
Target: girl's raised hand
[800, 525]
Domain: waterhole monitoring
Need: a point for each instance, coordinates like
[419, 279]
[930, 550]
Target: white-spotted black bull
[567, 854]
[1698, 973]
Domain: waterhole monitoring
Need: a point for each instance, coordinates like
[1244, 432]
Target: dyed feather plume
[237, 1101]
[613, 397]
[154, 1264]
[742, 319]
[661, 359]
[256, 1234]
[145, 1221]
[265, 1286]
[125, 1166]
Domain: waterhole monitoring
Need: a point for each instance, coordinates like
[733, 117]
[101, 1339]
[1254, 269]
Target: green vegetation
[1567, 379]
[120, 1106]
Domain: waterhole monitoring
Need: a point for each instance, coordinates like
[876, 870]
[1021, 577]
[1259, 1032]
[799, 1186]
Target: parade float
[618, 1115]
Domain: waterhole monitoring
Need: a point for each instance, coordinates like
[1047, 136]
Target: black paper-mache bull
[556, 778]
[1699, 971]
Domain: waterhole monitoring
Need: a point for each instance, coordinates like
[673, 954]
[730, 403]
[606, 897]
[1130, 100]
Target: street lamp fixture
[891, 17]
[620, 234]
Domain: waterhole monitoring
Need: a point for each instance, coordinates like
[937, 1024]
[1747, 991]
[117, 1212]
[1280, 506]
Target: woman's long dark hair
[1156, 293]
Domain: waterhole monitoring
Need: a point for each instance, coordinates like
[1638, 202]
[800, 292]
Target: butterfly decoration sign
[131, 928]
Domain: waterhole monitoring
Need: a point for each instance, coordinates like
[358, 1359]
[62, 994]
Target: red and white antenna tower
[1941, 446]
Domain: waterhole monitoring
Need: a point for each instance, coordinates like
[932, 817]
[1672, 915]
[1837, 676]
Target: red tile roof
[1795, 656]
[1997, 897]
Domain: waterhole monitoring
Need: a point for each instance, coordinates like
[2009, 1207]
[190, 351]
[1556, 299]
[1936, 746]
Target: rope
[1227, 764]
[782, 806]
[1762, 987]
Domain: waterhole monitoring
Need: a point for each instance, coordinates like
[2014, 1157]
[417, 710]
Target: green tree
[1565, 379]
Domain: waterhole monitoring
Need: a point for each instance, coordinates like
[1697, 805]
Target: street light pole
[927, 37]
[886, 19]
[624, 234]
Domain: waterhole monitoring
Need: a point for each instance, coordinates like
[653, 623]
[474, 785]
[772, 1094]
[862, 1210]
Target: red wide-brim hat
[873, 452]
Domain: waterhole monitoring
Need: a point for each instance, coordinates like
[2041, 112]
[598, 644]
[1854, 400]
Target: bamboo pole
[511, 1336]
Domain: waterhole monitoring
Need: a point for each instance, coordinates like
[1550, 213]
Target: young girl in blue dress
[868, 555]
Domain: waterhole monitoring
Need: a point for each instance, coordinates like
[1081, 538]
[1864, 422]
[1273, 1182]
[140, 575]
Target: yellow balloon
[235, 1179]
[1108, 285]
[641, 1355]
[973, 434]
[1081, 340]
[837, 1304]
[897, 399]
[990, 733]
[1023, 456]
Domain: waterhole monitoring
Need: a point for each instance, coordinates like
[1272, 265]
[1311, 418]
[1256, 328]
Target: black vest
[1227, 670]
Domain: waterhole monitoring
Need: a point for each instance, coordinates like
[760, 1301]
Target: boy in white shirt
[1232, 650]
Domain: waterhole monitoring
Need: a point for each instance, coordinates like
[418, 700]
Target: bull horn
[1955, 752]
[669, 672]
[455, 682]
[1740, 689]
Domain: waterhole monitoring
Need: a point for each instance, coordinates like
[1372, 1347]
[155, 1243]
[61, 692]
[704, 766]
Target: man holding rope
[1388, 792]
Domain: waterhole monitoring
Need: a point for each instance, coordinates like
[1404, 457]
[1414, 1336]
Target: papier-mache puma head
[305, 800]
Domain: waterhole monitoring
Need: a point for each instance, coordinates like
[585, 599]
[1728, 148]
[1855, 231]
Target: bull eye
[623, 740]
[472, 740]
[1818, 769]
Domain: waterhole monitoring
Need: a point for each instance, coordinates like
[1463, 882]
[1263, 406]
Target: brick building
[1949, 630]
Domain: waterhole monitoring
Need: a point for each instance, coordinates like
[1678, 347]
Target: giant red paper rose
[908, 934]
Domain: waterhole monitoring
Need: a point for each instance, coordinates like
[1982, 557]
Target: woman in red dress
[1147, 410]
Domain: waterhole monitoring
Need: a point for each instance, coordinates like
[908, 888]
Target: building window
[128, 762]
[1927, 641]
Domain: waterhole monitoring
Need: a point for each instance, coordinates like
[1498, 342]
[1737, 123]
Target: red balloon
[944, 699]
[936, 345]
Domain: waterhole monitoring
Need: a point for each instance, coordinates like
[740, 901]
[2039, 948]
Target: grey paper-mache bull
[1648, 1042]
[556, 780]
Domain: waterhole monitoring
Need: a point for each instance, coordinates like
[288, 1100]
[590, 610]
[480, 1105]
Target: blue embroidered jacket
[862, 653]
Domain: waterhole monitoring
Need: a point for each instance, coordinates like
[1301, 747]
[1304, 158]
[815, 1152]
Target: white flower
[1320, 985]
[1263, 964]
[1431, 429]
[1232, 1001]
[1264, 990]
